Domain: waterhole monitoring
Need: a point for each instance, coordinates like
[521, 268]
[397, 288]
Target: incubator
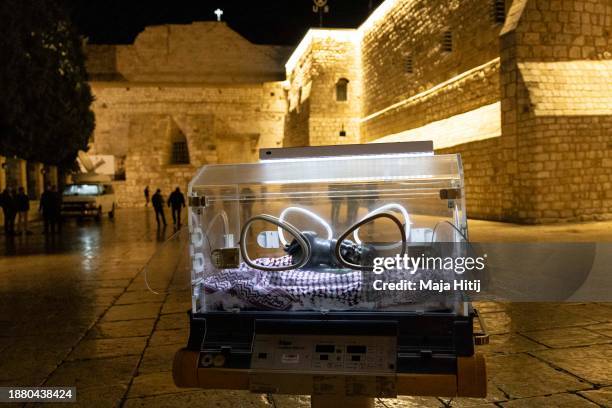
[294, 283]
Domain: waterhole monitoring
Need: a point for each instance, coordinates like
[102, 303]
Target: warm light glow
[377, 15]
[341, 35]
[431, 90]
[478, 124]
[354, 35]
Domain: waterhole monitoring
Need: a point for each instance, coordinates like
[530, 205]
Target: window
[342, 90]
[83, 190]
[498, 11]
[408, 64]
[180, 151]
[447, 41]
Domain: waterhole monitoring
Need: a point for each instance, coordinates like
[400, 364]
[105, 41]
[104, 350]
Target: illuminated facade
[521, 88]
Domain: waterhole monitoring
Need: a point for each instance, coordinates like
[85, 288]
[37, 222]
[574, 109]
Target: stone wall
[414, 30]
[549, 66]
[411, 80]
[220, 124]
[201, 52]
[462, 93]
[201, 81]
[557, 104]
[487, 195]
[315, 115]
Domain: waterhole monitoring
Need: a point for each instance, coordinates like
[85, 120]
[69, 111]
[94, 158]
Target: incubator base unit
[288, 290]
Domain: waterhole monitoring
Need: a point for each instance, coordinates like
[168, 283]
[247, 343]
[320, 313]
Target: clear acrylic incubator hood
[286, 272]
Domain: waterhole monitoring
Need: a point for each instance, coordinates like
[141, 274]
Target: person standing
[22, 205]
[8, 207]
[57, 208]
[50, 206]
[158, 205]
[177, 202]
[146, 195]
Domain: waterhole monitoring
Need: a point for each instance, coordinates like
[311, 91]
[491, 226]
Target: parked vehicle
[89, 197]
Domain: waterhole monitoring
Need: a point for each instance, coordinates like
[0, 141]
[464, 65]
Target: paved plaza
[76, 311]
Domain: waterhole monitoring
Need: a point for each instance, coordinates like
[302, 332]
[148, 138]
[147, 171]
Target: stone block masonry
[428, 66]
[223, 124]
[184, 84]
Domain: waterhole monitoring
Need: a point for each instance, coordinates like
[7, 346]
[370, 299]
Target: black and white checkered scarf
[283, 290]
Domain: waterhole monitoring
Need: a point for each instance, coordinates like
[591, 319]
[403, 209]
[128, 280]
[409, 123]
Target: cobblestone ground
[76, 311]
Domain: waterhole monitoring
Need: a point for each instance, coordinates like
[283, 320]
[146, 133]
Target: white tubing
[309, 213]
[391, 206]
[214, 219]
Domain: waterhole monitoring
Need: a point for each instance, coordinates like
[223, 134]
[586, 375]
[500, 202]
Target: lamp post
[320, 6]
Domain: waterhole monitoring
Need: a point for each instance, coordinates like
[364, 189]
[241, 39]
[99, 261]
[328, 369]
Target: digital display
[356, 349]
[325, 348]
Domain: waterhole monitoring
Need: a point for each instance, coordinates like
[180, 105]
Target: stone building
[182, 96]
[521, 88]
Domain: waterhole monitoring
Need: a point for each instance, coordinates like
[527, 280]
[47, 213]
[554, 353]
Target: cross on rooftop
[219, 13]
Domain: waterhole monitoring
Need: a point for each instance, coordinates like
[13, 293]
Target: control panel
[316, 353]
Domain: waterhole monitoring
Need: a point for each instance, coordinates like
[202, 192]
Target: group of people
[15, 206]
[176, 201]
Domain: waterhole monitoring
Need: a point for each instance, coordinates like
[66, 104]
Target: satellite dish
[86, 162]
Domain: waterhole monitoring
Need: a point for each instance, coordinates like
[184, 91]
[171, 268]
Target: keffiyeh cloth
[301, 289]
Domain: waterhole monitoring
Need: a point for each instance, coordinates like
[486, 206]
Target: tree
[45, 98]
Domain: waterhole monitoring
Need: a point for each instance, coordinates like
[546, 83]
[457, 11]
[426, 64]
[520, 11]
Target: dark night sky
[264, 22]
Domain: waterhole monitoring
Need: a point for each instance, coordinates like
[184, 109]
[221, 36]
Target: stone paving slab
[602, 396]
[173, 321]
[522, 376]
[603, 328]
[104, 348]
[155, 383]
[94, 373]
[25, 359]
[602, 312]
[129, 298]
[591, 363]
[552, 401]
[202, 399]
[494, 395]
[509, 344]
[169, 337]
[122, 328]
[132, 312]
[176, 307]
[155, 359]
[567, 337]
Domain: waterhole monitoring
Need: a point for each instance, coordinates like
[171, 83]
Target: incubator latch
[197, 201]
[450, 194]
[226, 258]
